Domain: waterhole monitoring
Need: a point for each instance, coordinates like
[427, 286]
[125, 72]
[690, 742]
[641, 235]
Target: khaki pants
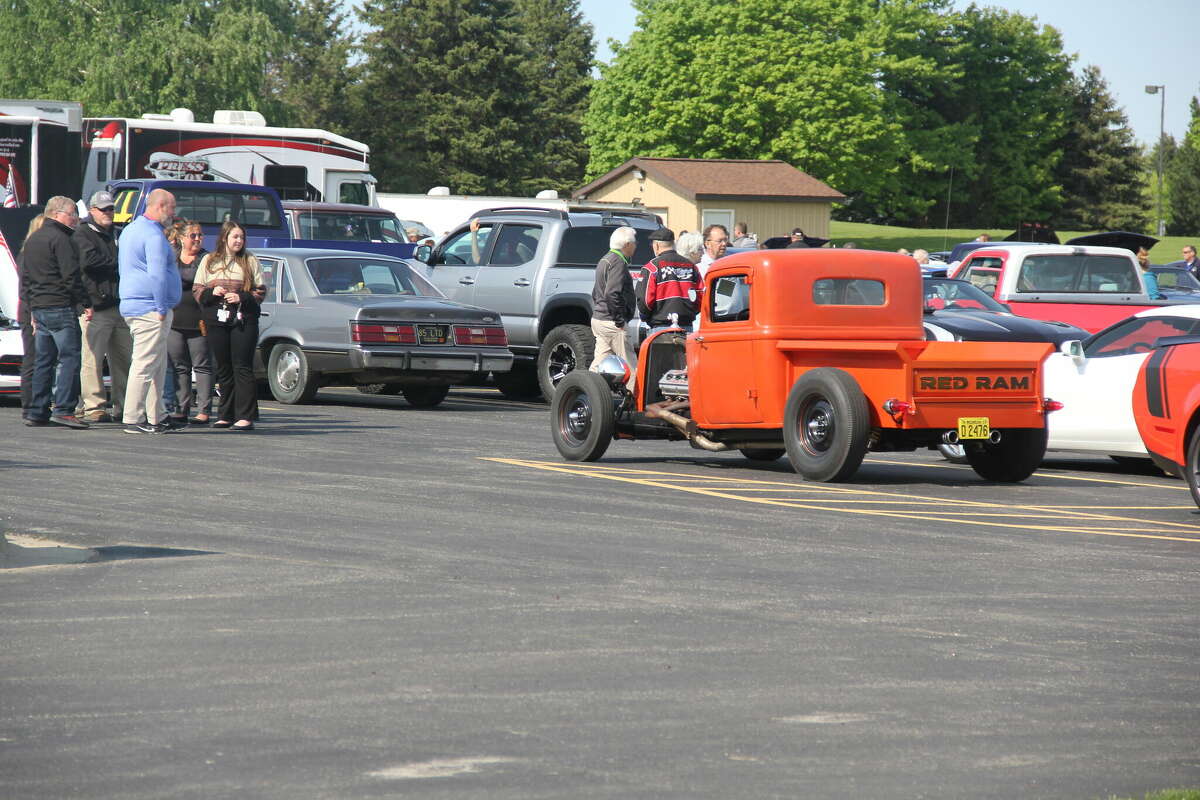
[610, 340]
[104, 335]
[147, 369]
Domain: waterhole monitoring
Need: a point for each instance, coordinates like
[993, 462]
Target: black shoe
[222, 423]
[194, 421]
[69, 421]
[36, 423]
[248, 427]
[142, 427]
[173, 424]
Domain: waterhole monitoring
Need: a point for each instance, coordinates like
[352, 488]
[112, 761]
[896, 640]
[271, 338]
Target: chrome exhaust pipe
[950, 437]
[994, 437]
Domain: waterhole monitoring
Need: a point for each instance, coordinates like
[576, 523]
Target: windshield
[349, 227]
[367, 275]
[1077, 273]
[947, 294]
[213, 207]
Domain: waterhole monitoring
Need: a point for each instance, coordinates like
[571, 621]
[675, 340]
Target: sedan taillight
[485, 335]
[377, 333]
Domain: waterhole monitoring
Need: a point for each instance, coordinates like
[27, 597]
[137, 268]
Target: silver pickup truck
[536, 267]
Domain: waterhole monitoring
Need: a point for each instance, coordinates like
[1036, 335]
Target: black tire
[289, 376]
[565, 348]
[1013, 459]
[761, 454]
[1191, 469]
[954, 453]
[521, 383]
[826, 425]
[425, 396]
[582, 418]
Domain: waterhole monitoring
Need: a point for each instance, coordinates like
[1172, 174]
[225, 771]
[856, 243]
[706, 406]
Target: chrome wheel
[560, 361]
[576, 419]
[818, 426]
[287, 370]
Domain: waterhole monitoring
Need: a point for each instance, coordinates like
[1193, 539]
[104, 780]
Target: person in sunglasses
[186, 343]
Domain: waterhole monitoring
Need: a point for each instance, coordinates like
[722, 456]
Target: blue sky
[1133, 44]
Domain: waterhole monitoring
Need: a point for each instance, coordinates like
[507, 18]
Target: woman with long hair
[28, 340]
[1148, 277]
[187, 347]
[229, 287]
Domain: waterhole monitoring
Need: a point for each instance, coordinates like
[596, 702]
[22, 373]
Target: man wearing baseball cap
[105, 333]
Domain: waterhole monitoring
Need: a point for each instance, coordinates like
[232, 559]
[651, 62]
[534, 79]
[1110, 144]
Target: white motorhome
[238, 146]
[441, 211]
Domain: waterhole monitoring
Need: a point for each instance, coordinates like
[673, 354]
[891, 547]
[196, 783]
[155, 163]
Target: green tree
[557, 71]
[129, 57]
[480, 95]
[1101, 171]
[314, 75]
[1184, 180]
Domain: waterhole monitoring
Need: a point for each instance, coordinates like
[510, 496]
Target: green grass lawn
[885, 237]
[1168, 794]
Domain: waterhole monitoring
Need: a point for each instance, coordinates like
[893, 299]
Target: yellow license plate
[974, 428]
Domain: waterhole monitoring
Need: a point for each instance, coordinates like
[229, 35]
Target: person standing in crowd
[25, 320]
[186, 346]
[983, 237]
[613, 302]
[691, 247]
[670, 286]
[716, 239]
[742, 237]
[150, 288]
[50, 276]
[229, 287]
[1190, 263]
[921, 255]
[105, 334]
[797, 239]
[1148, 277]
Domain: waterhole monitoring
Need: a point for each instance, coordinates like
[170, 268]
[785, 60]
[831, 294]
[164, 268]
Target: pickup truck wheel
[289, 376]
[1011, 460]
[520, 383]
[759, 454]
[425, 396]
[826, 425]
[1191, 470]
[582, 418]
[565, 348]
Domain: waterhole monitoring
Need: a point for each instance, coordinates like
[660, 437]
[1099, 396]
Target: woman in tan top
[229, 287]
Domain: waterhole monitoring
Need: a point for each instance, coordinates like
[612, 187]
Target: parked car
[1176, 282]
[958, 311]
[348, 318]
[537, 268]
[11, 349]
[1166, 406]
[1094, 379]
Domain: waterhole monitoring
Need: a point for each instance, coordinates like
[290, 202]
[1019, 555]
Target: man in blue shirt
[150, 289]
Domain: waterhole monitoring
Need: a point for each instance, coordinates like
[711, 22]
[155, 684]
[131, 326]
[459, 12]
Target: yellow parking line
[1040, 473]
[643, 478]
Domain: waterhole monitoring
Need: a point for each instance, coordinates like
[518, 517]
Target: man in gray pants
[613, 300]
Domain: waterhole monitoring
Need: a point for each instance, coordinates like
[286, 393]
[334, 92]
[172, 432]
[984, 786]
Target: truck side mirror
[1074, 349]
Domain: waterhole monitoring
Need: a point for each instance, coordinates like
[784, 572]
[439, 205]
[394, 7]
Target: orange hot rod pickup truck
[819, 354]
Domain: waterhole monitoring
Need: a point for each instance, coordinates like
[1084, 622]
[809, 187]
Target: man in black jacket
[105, 333]
[50, 281]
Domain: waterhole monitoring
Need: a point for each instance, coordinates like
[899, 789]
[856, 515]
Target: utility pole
[1160, 90]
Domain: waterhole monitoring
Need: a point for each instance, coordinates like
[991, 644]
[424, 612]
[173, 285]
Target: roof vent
[546, 194]
[183, 116]
[166, 117]
[439, 191]
[227, 116]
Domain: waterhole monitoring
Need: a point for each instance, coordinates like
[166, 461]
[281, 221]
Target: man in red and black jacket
[670, 284]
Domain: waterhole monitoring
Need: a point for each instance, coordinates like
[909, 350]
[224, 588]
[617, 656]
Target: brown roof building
[771, 197]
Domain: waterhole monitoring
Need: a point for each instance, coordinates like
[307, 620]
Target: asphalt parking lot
[361, 599]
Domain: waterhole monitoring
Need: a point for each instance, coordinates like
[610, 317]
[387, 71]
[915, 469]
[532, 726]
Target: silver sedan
[341, 318]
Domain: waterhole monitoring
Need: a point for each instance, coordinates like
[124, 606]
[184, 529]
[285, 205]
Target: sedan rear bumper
[425, 359]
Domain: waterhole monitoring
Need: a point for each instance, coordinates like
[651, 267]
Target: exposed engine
[674, 384]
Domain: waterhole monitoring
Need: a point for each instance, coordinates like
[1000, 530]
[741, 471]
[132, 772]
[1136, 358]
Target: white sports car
[1094, 380]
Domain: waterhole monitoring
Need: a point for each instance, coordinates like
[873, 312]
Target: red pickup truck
[1091, 287]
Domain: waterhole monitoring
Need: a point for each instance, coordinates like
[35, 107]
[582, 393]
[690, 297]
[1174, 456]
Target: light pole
[1160, 90]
